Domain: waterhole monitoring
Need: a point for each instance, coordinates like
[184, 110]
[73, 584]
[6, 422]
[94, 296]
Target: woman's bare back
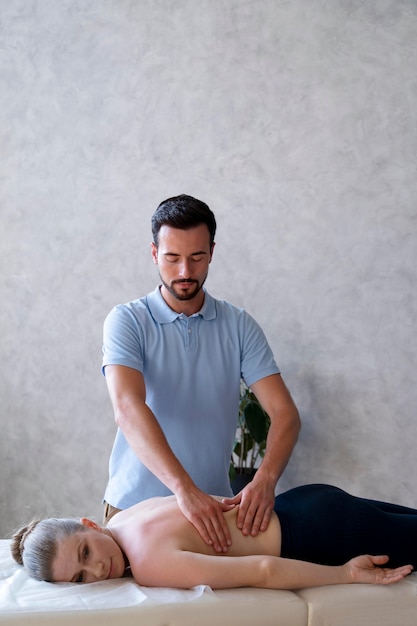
[155, 527]
[165, 550]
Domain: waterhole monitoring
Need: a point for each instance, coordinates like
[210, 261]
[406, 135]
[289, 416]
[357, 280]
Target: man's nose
[185, 269]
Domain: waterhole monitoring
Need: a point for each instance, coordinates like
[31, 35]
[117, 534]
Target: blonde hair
[35, 545]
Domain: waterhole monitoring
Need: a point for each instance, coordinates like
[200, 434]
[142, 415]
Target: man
[173, 361]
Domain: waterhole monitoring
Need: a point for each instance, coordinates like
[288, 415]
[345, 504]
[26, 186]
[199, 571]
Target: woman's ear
[88, 523]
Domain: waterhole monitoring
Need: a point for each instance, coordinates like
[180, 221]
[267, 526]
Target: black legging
[324, 524]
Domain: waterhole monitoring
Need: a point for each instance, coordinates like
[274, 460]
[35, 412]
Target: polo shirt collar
[163, 314]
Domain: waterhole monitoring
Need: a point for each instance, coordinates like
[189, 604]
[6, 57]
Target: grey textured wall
[296, 121]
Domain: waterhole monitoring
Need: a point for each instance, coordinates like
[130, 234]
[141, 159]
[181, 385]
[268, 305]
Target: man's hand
[206, 515]
[367, 569]
[256, 503]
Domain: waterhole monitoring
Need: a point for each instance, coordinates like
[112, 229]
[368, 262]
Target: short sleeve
[122, 344]
[257, 359]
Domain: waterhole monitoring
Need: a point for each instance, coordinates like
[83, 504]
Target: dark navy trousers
[326, 525]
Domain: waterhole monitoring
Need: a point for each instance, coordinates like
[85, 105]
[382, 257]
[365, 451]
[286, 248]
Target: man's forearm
[282, 437]
[147, 440]
[276, 400]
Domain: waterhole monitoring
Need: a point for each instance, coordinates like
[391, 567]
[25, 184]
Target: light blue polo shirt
[192, 368]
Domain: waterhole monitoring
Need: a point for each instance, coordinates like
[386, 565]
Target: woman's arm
[187, 569]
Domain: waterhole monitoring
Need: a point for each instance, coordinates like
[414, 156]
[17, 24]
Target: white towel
[20, 593]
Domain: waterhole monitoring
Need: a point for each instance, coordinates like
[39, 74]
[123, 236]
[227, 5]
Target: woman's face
[88, 556]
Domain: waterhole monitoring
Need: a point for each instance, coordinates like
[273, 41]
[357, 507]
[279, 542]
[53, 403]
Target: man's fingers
[261, 520]
[202, 531]
[212, 527]
[246, 516]
[254, 515]
[215, 534]
[221, 527]
[232, 501]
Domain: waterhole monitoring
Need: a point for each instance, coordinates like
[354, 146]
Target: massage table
[124, 603]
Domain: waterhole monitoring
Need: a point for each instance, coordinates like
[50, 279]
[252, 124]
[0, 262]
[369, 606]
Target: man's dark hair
[183, 212]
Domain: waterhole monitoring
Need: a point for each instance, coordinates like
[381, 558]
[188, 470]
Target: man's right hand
[206, 514]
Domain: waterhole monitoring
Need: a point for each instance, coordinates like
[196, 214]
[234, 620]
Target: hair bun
[18, 541]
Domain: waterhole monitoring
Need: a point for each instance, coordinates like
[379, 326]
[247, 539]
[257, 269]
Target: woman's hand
[367, 569]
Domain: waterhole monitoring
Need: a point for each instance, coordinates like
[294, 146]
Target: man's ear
[154, 249]
[88, 523]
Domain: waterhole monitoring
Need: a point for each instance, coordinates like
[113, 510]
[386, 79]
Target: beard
[183, 294]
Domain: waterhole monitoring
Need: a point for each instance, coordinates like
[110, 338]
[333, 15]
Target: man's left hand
[256, 503]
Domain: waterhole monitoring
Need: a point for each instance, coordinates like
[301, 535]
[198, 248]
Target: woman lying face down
[156, 544]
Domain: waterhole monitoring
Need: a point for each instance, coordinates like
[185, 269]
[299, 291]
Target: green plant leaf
[252, 430]
[232, 472]
[257, 421]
